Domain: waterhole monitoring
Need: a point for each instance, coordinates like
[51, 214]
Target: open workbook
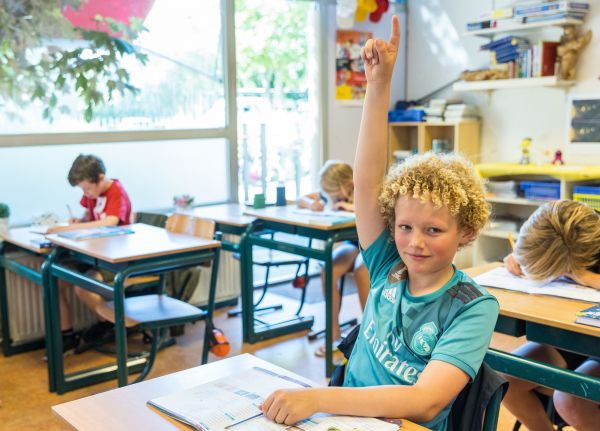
[500, 277]
[95, 232]
[326, 217]
[232, 403]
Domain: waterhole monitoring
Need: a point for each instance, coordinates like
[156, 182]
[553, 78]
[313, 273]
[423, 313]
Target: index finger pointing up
[395, 36]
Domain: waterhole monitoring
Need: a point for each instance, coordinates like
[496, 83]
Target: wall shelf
[490, 32]
[497, 84]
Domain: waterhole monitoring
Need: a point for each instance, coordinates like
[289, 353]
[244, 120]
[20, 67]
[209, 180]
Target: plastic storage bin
[539, 190]
[589, 195]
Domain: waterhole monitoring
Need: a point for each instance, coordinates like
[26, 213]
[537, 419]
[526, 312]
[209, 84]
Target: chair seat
[141, 279]
[152, 311]
[264, 257]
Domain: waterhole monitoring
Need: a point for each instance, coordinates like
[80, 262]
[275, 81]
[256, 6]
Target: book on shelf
[554, 16]
[503, 42]
[233, 403]
[562, 5]
[96, 232]
[544, 58]
[500, 278]
[589, 316]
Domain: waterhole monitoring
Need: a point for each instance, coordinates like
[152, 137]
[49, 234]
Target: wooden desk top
[547, 310]
[147, 241]
[286, 214]
[229, 214]
[125, 408]
[22, 237]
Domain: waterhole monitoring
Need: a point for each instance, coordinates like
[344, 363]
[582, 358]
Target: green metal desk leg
[120, 330]
[48, 323]
[6, 345]
[212, 292]
[328, 261]
[247, 290]
[53, 335]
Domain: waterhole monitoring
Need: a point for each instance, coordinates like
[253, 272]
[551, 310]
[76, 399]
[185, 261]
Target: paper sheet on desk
[325, 213]
[501, 278]
[320, 423]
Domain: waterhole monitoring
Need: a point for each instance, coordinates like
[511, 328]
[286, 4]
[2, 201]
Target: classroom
[300, 215]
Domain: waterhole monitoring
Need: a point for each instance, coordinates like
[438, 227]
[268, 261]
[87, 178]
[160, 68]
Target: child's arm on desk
[311, 201]
[371, 152]
[108, 221]
[437, 386]
[586, 277]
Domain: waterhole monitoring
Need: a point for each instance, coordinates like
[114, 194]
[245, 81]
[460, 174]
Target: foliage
[271, 45]
[4, 210]
[43, 58]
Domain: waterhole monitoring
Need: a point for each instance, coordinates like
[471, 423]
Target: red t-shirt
[113, 202]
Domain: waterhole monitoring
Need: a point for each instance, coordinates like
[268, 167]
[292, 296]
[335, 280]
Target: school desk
[548, 320]
[286, 219]
[125, 408]
[20, 240]
[149, 250]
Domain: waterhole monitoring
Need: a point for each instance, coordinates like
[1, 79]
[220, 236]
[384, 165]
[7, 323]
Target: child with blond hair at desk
[106, 203]
[561, 238]
[426, 325]
[337, 192]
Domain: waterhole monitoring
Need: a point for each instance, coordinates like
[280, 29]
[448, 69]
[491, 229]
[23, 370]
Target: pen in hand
[511, 241]
[71, 218]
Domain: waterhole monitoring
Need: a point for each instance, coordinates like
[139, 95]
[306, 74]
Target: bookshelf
[498, 84]
[492, 243]
[418, 137]
[491, 32]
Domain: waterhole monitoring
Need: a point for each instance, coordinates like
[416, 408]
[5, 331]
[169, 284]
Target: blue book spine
[553, 6]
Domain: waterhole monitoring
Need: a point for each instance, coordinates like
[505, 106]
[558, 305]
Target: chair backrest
[153, 219]
[178, 223]
[190, 225]
[202, 227]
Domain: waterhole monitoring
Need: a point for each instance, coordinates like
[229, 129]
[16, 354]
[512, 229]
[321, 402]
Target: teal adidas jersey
[400, 333]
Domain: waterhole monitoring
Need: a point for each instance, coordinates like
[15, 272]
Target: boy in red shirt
[106, 203]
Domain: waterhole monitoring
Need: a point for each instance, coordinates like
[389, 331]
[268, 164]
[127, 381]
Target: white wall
[344, 121]
[438, 51]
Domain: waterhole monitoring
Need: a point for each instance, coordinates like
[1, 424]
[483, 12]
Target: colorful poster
[350, 79]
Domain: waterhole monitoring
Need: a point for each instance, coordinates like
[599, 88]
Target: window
[170, 139]
[277, 96]
[182, 85]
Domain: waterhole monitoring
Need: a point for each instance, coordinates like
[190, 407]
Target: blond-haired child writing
[426, 325]
[560, 238]
[337, 190]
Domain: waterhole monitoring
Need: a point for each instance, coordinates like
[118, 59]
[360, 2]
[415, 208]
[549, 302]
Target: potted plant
[45, 55]
[183, 202]
[4, 215]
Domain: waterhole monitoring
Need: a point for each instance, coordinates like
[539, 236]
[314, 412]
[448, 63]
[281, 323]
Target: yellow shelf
[564, 172]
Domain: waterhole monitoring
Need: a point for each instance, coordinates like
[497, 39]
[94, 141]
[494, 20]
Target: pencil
[511, 241]
[70, 212]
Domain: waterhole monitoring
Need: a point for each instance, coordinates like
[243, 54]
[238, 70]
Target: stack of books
[506, 49]
[530, 12]
[522, 59]
[460, 111]
[553, 10]
[435, 111]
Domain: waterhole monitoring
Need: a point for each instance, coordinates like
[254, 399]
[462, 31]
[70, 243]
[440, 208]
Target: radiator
[25, 303]
[228, 279]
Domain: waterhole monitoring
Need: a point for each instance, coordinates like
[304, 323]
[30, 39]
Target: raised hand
[379, 56]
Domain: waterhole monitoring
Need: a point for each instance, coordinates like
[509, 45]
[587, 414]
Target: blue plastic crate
[587, 190]
[539, 190]
[406, 115]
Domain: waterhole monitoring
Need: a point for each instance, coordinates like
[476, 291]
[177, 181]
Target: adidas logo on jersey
[390, 294]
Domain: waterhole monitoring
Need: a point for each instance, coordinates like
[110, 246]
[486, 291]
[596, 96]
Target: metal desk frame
[155, 265]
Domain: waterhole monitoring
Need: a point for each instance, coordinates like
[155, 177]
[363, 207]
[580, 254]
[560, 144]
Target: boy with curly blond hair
[426, 325]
